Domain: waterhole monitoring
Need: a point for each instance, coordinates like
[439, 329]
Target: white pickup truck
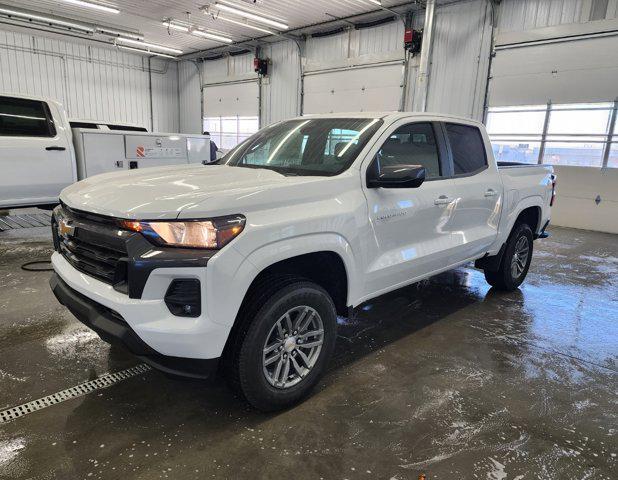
[42, 151]
[246, 264]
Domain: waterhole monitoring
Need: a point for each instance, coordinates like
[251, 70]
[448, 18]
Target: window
[25, 118]
[412, 144]
[516, 133]
[127, 128]
[227, 132]
[467, 148]
[325, 146]
[83, 125]
[569, 134]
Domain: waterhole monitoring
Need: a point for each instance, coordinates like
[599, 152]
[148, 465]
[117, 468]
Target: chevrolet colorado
[245, 265]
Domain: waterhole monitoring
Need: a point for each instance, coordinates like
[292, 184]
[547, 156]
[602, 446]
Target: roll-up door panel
[576, 71]
[359, 90]
[234, 99]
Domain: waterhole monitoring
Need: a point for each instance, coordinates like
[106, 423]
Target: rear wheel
[515, 261]
[288, 337]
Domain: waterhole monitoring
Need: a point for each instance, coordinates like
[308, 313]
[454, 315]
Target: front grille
[95, 246]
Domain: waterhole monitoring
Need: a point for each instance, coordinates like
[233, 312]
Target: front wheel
[287, 345]
[515, 261]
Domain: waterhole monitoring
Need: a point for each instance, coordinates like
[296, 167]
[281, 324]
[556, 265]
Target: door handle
[442, 200]
[491, 193]
[55, 148]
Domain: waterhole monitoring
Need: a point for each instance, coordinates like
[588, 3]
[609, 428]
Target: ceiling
[146, 16]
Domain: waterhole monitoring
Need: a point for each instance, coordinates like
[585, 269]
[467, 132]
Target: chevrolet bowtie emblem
[65, 228]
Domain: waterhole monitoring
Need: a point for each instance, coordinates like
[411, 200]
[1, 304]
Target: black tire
[243, 359]
[504, 278]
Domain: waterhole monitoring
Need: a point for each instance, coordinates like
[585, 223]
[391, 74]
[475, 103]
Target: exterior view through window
[569, 134]
[325, 146]
[412, 144]
[25, 118]
[227, 132]
[467, 148]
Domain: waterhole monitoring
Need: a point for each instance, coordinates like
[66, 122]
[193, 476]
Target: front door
[411, 230]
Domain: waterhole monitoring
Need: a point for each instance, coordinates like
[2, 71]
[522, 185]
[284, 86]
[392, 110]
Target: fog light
[184, 297]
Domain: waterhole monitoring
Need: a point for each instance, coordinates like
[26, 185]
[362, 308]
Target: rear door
[410, 225]
[35, 154]
[477, 192]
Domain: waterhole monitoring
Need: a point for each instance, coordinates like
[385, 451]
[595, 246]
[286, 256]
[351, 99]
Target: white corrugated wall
[92, 82]
[280, 93]
[189, 101]
[517, 15]
[460, 55]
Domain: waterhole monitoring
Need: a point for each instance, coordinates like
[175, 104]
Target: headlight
[213, 233]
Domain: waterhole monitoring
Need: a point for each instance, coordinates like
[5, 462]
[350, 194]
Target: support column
[422, 81]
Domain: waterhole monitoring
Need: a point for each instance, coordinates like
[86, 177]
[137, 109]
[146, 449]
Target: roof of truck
[392, 116]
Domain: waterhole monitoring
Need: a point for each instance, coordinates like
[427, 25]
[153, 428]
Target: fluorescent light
[130, 41]
[252, 16]
[146, 52]
[50, 20]
[174, 26]
[96, 6]
[243, 24]
[212, 36]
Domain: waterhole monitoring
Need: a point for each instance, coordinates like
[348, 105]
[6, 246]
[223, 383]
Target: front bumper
[113, 329]
[149, 317]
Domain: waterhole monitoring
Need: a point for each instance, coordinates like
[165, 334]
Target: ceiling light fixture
[43, 19]
[96, 6]
[232, 8]
[139, 43]
[211, 36]
[186, 28]
[146, 52]
[244, 24]
[175, 26]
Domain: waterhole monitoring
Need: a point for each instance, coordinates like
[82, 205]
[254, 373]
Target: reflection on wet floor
[446, 377]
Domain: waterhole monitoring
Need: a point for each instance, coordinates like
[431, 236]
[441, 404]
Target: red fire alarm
[412, 40]
[260, 66]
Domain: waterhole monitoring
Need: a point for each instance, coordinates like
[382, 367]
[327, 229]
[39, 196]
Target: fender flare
[266, 255]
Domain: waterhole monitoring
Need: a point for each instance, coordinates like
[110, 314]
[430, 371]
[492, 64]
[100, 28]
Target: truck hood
[176, 191]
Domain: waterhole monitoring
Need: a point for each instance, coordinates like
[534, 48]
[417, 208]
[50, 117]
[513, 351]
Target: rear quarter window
[21, 117]
[467, 148]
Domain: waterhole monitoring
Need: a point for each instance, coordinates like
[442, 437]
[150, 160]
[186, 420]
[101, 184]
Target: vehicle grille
[94, 247]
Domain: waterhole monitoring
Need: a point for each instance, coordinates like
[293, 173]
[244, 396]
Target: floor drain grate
[25, 220]
[103, 381]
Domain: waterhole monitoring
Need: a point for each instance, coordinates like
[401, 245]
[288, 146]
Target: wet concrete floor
[447, 378]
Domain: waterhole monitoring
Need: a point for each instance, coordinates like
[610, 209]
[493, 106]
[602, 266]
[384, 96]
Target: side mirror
[395, 176]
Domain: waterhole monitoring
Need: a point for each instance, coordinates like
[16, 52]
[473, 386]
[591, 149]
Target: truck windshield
[320, 146]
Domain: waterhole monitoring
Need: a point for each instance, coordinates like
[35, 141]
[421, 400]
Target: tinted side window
[467, 148]
[412, 144]
[83, 125]
[25, 118]
[127, 128]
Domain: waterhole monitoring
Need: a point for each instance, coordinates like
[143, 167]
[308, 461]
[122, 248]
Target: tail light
[553, 190]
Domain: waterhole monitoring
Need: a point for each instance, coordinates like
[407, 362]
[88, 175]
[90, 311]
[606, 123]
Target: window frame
[440, 145]
[49, 119]
[451, 161]
[546, 138]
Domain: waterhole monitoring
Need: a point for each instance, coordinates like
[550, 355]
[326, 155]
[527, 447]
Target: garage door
[358, 90]
[577, 71]
[232, 99]
[231, 112]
